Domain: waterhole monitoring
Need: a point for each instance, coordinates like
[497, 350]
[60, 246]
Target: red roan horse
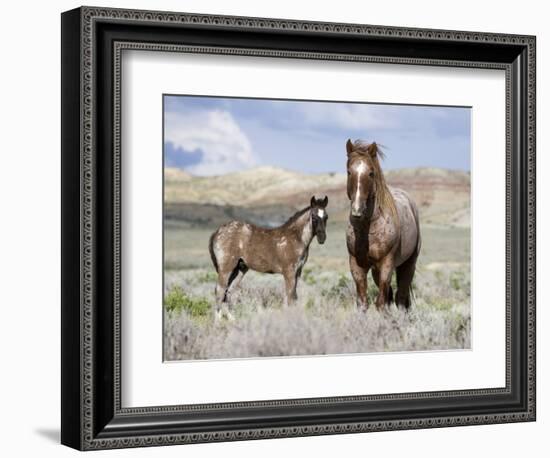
[238, 246]
[383, 231]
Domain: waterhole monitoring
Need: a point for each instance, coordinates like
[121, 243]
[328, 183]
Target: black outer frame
[92, 417]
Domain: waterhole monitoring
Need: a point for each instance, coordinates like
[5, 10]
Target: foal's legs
[291, 280]
[221, 294]
[359, 275]
[227, 273]
[242, 270]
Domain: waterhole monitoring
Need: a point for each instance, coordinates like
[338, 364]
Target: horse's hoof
[222, 313]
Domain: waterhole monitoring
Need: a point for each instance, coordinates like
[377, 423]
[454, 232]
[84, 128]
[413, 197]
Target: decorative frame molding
[92, 414]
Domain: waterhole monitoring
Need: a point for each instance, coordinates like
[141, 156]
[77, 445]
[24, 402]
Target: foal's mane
[295, 217]
[372, 151]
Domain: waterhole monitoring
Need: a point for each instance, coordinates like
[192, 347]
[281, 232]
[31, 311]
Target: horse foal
[238, 246]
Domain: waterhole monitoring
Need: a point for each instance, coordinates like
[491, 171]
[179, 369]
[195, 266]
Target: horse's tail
[211, 249]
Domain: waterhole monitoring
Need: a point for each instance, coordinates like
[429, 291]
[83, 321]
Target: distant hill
[251, 187]
[174, 175]
[269, 195]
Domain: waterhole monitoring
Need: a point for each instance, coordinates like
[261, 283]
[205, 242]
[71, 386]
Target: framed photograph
[276, 228]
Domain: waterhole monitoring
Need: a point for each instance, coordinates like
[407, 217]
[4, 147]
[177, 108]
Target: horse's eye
[371, 174]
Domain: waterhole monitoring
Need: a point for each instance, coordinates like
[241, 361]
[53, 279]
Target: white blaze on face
[320, 213]
[360, 168]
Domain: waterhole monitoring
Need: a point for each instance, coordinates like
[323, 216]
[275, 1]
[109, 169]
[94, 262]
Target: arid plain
[325, 319]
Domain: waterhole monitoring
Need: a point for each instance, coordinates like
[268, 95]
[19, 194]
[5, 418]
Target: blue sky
[215, 135]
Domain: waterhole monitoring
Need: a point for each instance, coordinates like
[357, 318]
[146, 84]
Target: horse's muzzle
[357, 209]
[357, 212]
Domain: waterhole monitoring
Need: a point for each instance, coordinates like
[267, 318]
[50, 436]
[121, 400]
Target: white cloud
[347, 116]
[216, 134]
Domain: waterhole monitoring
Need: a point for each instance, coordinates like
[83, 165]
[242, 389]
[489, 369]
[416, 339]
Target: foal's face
[319, 218]
[360, 183]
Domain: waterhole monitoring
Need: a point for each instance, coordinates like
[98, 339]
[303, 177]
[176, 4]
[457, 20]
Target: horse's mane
[295, 217]
[384, 198]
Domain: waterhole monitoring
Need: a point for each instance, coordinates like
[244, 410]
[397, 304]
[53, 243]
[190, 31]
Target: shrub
[177, 300]
[309, 304]
[207, 277]
[459, 281]
[339, 289]
[324, 321]
[308, 277]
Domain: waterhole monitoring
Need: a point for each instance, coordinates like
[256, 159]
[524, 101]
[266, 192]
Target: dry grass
[325, 320]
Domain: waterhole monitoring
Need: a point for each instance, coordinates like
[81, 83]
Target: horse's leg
[297, 276]
[385, 271]
[405, 274]
[359, 275]
[221, 292]
[226, 275]
[376, 278]
[243, 269]
[290, 286]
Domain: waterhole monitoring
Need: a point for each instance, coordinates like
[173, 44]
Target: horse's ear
[312, 201]
[373, 150]
[349, 146]
[324, 203]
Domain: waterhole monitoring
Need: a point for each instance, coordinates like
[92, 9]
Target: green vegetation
[339, 289]
[209, 276]
[308, 276]
[177, 301]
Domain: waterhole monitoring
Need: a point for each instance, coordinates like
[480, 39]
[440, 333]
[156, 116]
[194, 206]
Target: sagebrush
[325, 320]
